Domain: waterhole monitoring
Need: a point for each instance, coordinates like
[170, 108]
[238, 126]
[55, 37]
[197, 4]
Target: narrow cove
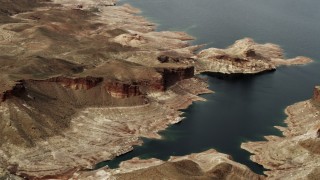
[242, 108]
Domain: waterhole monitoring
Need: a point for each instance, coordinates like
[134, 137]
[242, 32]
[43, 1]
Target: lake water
[242, 109]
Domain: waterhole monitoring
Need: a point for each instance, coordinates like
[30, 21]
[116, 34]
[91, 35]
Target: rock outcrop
[316, 95]
[81, 81]
[172, 73]
[206, 165]
[122, 90]
[296, 155]
[245, 57]
[61, 140]
[75, 94]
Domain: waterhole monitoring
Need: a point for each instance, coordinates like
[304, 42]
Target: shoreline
[188, 88]
[177, 97]
[298, 140]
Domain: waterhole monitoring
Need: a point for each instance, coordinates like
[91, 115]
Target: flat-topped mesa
[316, 95]
[170, 73]
[115, 88]
[245, 57]
[89, 88]
[55, 101]
[173, 73]
[82, 83]
[119, 89]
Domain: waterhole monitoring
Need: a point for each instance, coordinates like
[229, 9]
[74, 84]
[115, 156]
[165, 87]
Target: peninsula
[83, 80]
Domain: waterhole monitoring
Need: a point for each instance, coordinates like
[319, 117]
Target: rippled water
[242, 109]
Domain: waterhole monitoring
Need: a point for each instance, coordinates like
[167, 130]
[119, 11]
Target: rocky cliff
[172, 73]
[76, 91]
[122, 90]
[245, 57]
[296, 154]
[114, 88]
[82, 81]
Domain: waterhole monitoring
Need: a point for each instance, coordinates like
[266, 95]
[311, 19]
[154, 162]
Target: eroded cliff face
[81, 81]
[76, 135]
[57, 99]
[169, 75]
[245, 57]
[173, 74]
[84, 83]
[122, 90]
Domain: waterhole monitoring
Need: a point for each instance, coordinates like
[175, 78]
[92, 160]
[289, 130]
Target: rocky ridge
[245, 57]
[206, 165]
[82, 80]
[75, 91]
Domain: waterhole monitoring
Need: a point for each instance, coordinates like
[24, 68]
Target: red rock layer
[119, 89]
[73, 83]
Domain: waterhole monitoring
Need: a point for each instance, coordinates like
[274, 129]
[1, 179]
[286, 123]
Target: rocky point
[81, 81]
[296, 154]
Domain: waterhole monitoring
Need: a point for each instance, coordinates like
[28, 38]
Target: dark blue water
[246, 108]
[293, 24]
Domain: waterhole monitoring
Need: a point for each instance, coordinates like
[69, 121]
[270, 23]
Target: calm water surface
[242, 109]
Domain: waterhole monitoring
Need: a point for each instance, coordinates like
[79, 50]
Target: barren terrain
[81, 81]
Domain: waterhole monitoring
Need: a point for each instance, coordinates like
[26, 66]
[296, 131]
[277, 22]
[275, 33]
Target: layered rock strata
[173, 74]
[93, 134]
[206, 165]
[296, 155]
[245, 57]
[81, 81]
[79, 86]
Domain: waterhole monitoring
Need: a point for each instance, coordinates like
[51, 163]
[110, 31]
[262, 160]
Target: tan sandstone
[296, 155]
[205, 165]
